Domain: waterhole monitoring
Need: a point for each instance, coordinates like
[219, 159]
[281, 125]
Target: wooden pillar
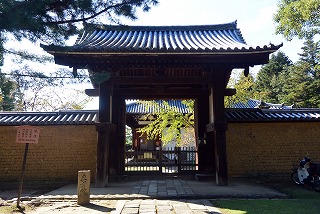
[113, 145]
[118, 141]
[218, 126]
[201, 113]
[103, 127]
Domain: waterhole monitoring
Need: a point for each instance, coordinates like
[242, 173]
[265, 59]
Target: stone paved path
[153, 206]
[164, 188]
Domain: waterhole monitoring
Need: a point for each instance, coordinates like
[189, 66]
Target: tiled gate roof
[139, 108]
[208, 39]
[272, 115]
[48, 118]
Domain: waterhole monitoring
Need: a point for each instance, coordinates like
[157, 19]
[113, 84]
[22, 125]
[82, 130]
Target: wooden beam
[92, 92]
[218, 126]
[143, 80]
[230, 92]
[153, 92]
[236, 60]
[162, 92]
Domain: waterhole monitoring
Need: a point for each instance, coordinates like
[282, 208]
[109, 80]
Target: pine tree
[297, 81]
[59, 19]
[302, 85]
[7, 94]
[53, 21]
[268, 83]
[311, 55]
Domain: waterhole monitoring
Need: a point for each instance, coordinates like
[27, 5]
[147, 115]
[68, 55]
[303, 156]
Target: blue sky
[254, 18]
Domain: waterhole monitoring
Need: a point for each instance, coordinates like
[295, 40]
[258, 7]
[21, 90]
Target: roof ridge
[223, 26]
[80, 110]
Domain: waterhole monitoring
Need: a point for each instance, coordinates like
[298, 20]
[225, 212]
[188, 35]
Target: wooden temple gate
[176, 62]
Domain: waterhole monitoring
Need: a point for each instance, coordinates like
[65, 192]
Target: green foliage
[297, 82]
[266, 206]
[280, 81]
[56, 20]
[310, 52]
[244, 87]
[269, 83]
[303, 81]
[166, 121]
[311, 55]
[7, 98]
[298, 18]
[128, 136]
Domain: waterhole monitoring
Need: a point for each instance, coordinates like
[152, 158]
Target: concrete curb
[135, 197]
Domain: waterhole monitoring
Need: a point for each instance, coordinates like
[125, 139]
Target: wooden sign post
[26, 134]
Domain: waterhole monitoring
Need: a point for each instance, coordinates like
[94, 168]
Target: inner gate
[154, 154]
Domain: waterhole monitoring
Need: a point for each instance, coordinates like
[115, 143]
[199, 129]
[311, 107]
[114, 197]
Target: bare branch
[92, 16]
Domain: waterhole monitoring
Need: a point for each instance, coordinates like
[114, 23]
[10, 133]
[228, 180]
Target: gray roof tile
[161, 39]
[272, 115]
[89, 117]
[79, 117]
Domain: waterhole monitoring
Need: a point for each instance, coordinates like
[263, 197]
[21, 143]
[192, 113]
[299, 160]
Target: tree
[297, 82]
[167, 121]
[301, 84]
[7, 98]
[311, 55]
[301, 18]
[298, 18]
[268, 83]
[58, 19]
[37, 91]
[52, 21]
[244, 90]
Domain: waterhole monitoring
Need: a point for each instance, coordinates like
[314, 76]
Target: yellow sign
[27, 134]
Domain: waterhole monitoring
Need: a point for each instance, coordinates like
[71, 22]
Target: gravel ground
[53, 207]
[105, 206]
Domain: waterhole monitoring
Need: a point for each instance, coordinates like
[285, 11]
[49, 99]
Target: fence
[182, 160]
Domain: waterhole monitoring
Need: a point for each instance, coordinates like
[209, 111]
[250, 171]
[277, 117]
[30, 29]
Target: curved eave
[57, 50]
